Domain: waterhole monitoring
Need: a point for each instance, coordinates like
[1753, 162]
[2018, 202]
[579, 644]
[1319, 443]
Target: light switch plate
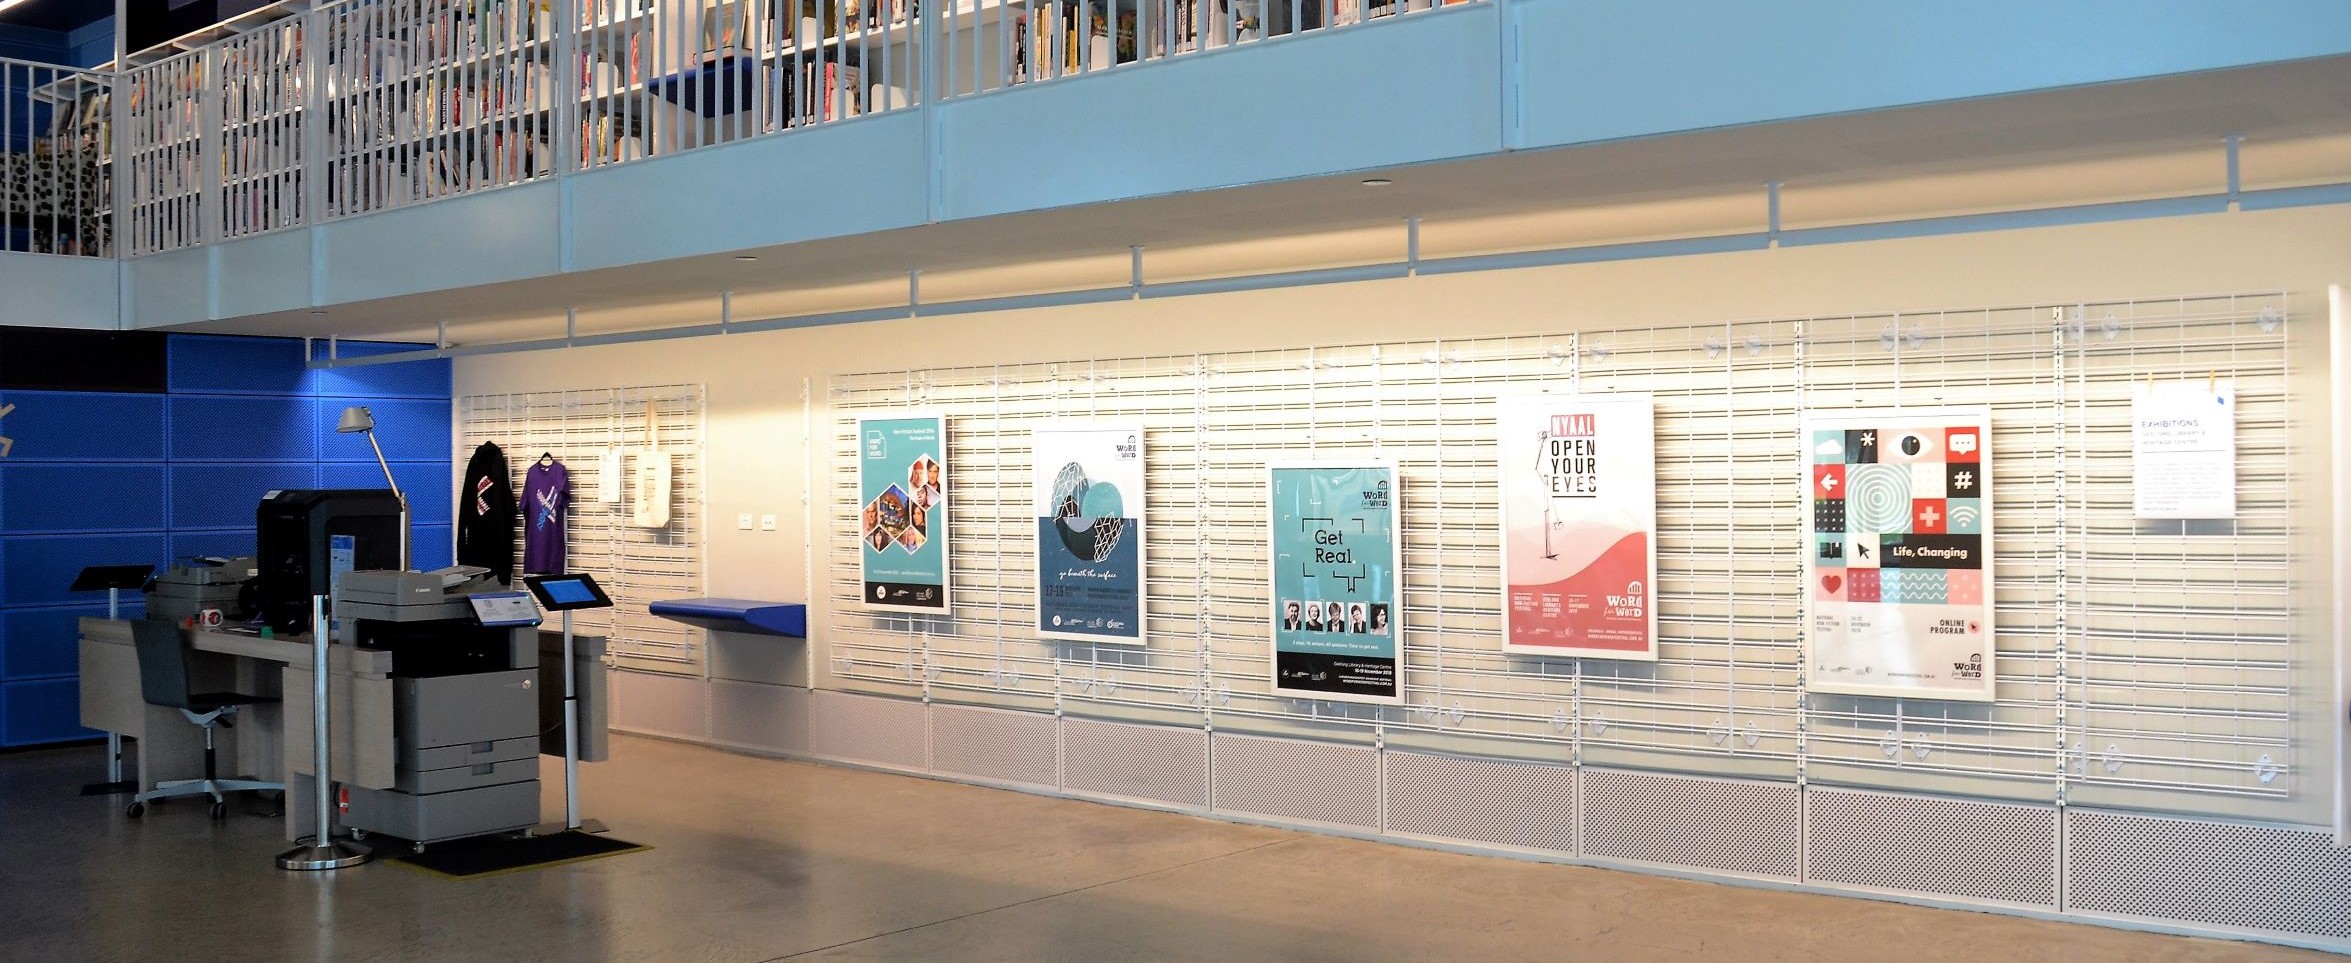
[743, 521]
[767, 522]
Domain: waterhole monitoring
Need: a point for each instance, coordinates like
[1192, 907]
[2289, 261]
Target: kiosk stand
[112, 578]
[567, 594]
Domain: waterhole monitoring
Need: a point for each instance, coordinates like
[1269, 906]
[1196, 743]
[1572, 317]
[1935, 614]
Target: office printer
[465, 705]
[205, 582]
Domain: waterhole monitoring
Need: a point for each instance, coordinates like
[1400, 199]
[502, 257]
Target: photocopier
[464, 672]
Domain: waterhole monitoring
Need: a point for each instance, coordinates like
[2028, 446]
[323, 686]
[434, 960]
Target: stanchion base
[336, 855]
[595, 826]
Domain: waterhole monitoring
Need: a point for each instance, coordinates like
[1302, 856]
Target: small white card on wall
[2184, 450]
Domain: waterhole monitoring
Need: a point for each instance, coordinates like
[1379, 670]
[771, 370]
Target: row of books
[84, 125]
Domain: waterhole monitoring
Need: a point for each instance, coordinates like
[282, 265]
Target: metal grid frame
[635, 565]
[1727, 694]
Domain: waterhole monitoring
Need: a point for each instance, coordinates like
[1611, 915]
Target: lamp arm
[396, 493]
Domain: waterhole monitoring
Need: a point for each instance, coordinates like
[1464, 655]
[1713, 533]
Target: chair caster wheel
[220, 810]
[417, 848]
[358, 835]
[135, 810]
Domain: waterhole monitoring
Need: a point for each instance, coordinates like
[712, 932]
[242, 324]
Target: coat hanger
[546, 459]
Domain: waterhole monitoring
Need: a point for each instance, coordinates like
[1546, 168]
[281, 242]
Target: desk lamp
[357, 419]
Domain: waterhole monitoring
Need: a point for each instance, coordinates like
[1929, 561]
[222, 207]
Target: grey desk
[260, 745]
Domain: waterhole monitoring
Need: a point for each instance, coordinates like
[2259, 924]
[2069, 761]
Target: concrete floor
[758, 860]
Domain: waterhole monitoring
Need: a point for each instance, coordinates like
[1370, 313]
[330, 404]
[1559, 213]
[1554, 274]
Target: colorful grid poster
[902, 479]
[1579, 517]
[1087, 485]
[1336, 561]
[1898, 567]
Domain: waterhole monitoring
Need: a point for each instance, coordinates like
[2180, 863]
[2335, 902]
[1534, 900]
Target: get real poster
[1087, 487]
[1336, 561]
[902, 478]
[1579, 522]
[1898, 569]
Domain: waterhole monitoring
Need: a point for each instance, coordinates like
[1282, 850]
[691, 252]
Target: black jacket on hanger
[485, 514]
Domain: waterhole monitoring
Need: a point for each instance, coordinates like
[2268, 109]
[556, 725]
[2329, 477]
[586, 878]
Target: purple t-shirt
[546, 493]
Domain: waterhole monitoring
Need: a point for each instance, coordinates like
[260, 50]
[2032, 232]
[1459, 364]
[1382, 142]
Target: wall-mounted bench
[736, 615]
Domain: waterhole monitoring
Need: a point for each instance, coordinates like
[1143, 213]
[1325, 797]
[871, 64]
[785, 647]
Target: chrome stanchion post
[322, 850]
[114, 739]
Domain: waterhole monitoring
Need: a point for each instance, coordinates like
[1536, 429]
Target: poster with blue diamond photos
[903, 483]
[1898, 562]
[1087, 485]
[1336, 561]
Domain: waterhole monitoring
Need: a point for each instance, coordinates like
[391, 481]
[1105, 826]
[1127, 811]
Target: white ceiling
[2162, 135]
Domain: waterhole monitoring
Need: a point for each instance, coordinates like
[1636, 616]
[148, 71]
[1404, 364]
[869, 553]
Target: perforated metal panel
[770, 718]
[1736, 826]
[1159, 764]
[1316, 782]
[662, 705]
[870, 730]
[1947, 847]
[1527, 805]
[2250, 877]
[995, 744]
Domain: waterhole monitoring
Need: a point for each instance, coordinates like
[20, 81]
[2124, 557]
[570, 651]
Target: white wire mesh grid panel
[258, 79]
[770, 718]
[988, 650]
[165, 128]
[997, 744]
[659, 704]
[2001, 852]
[871, 730]
[1726, 695]
[2185, 633]
[2225, 874]
[1735, 826]
[1125, 761]
[636, 565]
[1520, 804]
[1293, 779]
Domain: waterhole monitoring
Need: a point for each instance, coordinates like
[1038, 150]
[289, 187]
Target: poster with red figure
[1579, 525]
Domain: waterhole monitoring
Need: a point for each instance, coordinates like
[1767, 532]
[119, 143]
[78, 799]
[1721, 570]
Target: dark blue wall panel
[35, 569]
[223, 496]
[37, 642]
[84, 498]
[425, 483]
[43, 711]
[112, 478]
[245, 428]
[408, 430]
[231, 365]
[431, 547]
[81, 426]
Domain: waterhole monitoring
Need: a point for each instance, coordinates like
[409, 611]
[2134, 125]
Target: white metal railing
[364, 105]
[56, 138]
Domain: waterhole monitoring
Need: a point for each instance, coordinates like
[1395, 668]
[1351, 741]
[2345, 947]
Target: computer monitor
[295, 532]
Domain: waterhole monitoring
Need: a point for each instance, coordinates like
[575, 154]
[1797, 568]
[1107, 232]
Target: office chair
[163, 679]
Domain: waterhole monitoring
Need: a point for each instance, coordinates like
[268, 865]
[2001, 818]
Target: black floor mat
[492, 855]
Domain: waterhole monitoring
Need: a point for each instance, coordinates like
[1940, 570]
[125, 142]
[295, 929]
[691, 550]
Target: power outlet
[767, 523]
[743, 521]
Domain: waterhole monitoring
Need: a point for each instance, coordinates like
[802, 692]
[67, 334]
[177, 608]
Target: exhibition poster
[1899, 568]
[1579, 521]
[903, 483]
[1087, 485]
[1336, 568]
[2184, 450]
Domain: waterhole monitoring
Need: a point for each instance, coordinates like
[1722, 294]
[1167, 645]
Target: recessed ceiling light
[5, 4]
[1377, 182]
[746, 257]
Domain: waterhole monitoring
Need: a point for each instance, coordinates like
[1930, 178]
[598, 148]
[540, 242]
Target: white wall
[758, 420]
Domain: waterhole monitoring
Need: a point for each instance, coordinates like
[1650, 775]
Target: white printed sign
[2184, 450]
